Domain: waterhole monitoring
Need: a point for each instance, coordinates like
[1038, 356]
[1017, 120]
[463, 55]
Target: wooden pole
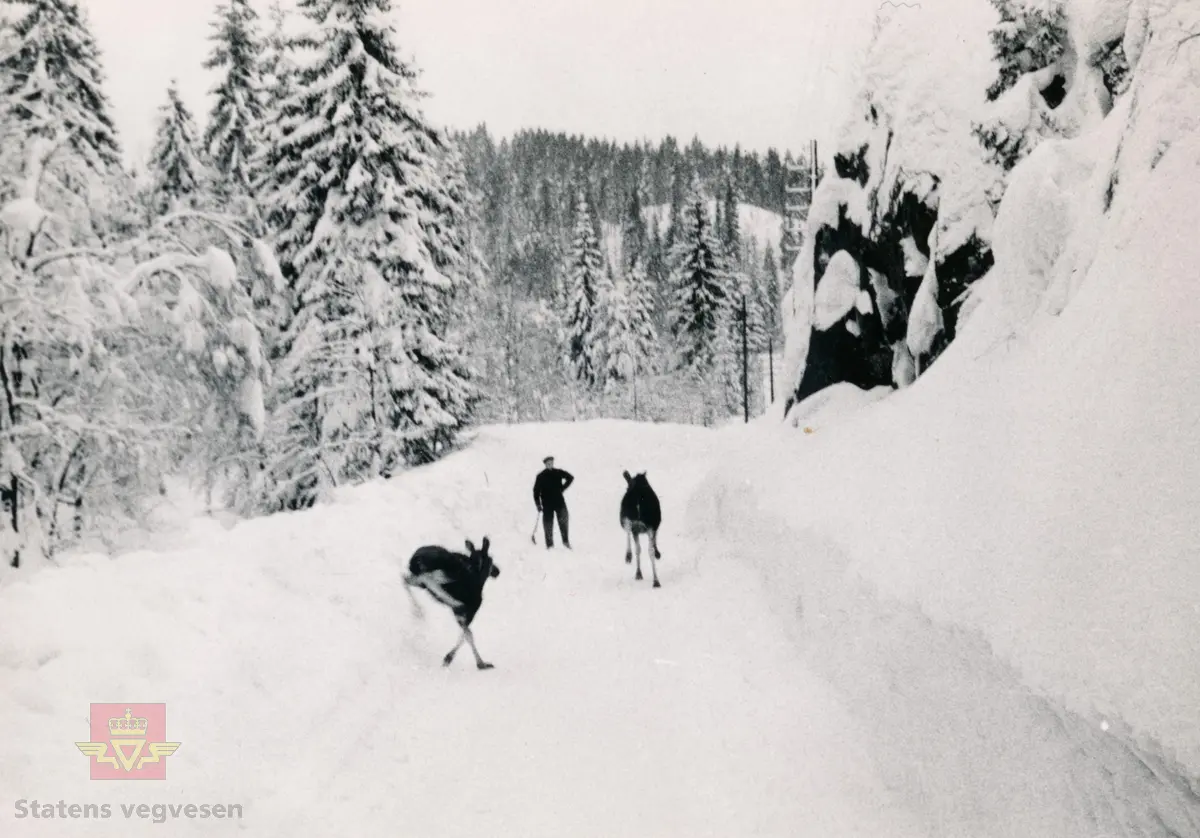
[745, 366]
[771, 363]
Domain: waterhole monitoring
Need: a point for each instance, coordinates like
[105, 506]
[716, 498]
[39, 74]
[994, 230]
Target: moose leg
[480, 663]
[628, 544]
[446, 661]
[654, 544]
[654, 559]
[637, 548]
[466, 635]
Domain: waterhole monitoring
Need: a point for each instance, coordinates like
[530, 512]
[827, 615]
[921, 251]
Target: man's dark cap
[547, 459]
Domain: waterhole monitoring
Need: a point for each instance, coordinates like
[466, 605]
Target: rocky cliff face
[952, 98]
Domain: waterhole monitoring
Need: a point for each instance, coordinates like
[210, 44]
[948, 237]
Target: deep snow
[997, 567]
[302, 686]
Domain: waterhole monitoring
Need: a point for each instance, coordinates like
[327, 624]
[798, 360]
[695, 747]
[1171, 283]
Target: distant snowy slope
[610, 242]
[763, 225]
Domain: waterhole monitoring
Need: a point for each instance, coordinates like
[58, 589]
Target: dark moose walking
[641, 514]
[548, 491]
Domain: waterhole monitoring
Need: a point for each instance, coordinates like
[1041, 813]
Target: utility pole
[798, 203]
[745, 366]
[771, 363]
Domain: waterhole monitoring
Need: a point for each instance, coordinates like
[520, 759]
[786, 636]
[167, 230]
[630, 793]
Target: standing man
[548, 491]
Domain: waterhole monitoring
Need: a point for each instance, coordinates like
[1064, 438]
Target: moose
[455, 580]
[640, 513]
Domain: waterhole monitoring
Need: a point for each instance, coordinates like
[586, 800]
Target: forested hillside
[533, 190]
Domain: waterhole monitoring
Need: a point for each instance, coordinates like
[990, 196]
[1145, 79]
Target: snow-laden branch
[168, 263]
[231, 230]
[38, 262]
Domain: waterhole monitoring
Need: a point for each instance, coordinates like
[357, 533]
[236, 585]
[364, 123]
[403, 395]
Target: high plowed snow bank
[1001, 565]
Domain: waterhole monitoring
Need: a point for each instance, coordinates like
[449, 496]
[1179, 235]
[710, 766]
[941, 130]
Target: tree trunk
[9, 386]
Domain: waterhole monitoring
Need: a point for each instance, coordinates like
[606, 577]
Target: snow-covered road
[302, 686]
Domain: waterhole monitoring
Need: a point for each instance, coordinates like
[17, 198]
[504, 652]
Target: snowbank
[833, 404]
[998, 566]
[303, 688]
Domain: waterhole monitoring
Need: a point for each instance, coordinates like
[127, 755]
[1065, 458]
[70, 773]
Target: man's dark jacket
[549, 487]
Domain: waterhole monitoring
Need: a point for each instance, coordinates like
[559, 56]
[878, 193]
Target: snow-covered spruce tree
[176, 169]
[278, 74]
[742, 320]
[631, 341]
[275, 62]
[357, 191]
[770, 298]
[50, 72]
[231, 136]
[730, 227]
[700, 294]
[1030, 36]
[751, 281]
[50, 75]
[583, 287]
[634, 233]
[621, 359]
[1029, 45]
[1058, 74]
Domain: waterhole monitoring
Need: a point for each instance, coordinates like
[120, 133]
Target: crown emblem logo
[128, 725]
[128, 742]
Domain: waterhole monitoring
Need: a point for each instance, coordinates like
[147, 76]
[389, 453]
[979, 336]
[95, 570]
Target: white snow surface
[832, 405]
[925, 320]
[832, 196]
[1093, 23]
[998, 565]
[303, 687]
[1027, 508]
[837, 291]
[763, 225]
[222, 272]
[798, 314]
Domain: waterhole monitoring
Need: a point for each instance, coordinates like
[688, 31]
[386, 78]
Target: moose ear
[643, 474]
[628, 479]
[470, 546]
[484, 547]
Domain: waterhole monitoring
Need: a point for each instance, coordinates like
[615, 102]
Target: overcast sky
[759, 72]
